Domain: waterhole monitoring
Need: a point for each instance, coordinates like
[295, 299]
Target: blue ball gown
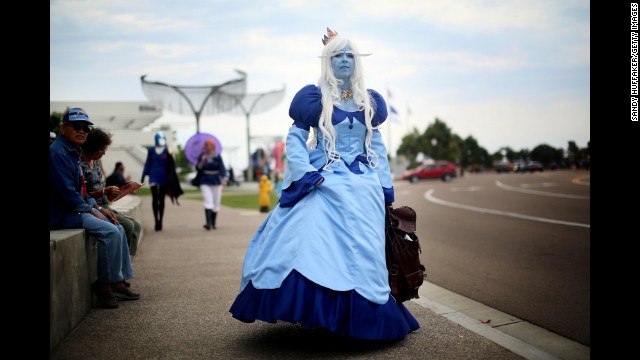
[318, 259]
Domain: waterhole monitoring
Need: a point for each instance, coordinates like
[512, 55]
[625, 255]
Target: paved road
[519, 243]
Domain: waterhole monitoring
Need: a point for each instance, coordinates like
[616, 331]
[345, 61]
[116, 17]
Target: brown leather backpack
[406, 273]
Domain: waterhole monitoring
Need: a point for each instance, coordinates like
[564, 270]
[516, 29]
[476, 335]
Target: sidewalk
[188, 278]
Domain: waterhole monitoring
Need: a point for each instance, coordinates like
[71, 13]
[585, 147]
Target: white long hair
[330, 90]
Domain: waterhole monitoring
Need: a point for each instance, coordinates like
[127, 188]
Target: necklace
[346, 94]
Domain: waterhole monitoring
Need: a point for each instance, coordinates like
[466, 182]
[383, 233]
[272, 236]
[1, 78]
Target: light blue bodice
[350, 136]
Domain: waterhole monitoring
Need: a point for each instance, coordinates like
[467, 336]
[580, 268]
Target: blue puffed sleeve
[306, 107]
[380, 108]
[302, 172]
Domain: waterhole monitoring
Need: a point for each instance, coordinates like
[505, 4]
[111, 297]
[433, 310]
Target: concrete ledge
[72, 270]
[128, 205]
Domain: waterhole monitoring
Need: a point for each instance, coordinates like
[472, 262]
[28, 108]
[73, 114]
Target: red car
[439, 170]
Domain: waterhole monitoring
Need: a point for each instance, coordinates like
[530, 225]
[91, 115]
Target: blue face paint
[343, 63]
[160, 139]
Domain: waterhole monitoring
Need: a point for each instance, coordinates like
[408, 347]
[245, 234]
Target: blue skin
[160, 139]
[342, 65]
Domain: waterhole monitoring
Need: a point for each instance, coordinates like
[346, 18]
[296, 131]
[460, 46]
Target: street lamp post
[255, 103]
[434, 143]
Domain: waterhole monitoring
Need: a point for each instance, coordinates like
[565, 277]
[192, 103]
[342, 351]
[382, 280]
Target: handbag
[402, 250]
[196, 180]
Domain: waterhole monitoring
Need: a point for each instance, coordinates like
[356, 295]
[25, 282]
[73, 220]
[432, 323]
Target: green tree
[455, 149]
[437, 141]
[546, 154]
[55, 120]
[411, 145]
[497, 156]
[471, 151]
[511, 154]
[522, 154]
[449, 146]
[573, 153]
[439, 133]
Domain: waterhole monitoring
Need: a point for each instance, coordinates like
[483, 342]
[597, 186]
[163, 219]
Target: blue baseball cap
[76, 114]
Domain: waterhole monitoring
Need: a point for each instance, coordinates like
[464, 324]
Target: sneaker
[124, 294]
[106, 299]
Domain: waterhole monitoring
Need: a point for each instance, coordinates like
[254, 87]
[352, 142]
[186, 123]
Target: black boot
[213, 219]
[155, 207]
[157, 217]
[207, 217]
[160, 214]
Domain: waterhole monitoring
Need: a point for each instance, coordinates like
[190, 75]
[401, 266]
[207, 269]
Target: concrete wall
[72, 269]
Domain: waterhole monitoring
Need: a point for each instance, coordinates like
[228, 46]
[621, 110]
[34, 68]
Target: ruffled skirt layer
[345, 313]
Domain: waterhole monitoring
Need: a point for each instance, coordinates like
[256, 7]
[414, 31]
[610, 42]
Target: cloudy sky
[507, 72]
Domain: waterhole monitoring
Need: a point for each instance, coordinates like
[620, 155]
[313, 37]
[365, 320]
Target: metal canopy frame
[228, 97]
[211, 99]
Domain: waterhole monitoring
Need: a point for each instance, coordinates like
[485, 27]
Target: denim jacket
[65, 186]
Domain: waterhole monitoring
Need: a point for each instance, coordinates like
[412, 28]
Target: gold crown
[331, 34]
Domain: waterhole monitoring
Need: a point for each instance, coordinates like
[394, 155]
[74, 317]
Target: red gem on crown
[326, 39]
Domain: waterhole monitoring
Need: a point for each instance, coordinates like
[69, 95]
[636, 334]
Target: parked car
[519, 166]
[534, 166]
[442, 169]
[502, 166]
[528, 166]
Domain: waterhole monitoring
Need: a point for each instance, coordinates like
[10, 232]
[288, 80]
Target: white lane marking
[512, 188]
[538, 185]
[581, 180]
[470, 188]
[428, 195]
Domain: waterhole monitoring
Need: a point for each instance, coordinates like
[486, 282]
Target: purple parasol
[195, 146]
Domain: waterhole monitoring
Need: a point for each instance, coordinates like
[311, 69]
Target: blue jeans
[114, 261]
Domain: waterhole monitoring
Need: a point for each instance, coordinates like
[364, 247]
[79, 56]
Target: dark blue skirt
[345, 313]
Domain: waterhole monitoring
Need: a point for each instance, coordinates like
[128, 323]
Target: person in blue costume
[318, 259]
[163, 179]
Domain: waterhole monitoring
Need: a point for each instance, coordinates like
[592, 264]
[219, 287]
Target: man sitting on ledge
[71, 207]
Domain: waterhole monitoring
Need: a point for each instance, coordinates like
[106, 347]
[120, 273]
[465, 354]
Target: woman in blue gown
[318, 259]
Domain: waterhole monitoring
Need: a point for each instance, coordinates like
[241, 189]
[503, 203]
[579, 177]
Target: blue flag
[393, 114]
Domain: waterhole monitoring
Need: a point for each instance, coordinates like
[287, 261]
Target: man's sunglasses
[77, 127]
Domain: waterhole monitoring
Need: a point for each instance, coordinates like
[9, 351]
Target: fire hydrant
[264, 201]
